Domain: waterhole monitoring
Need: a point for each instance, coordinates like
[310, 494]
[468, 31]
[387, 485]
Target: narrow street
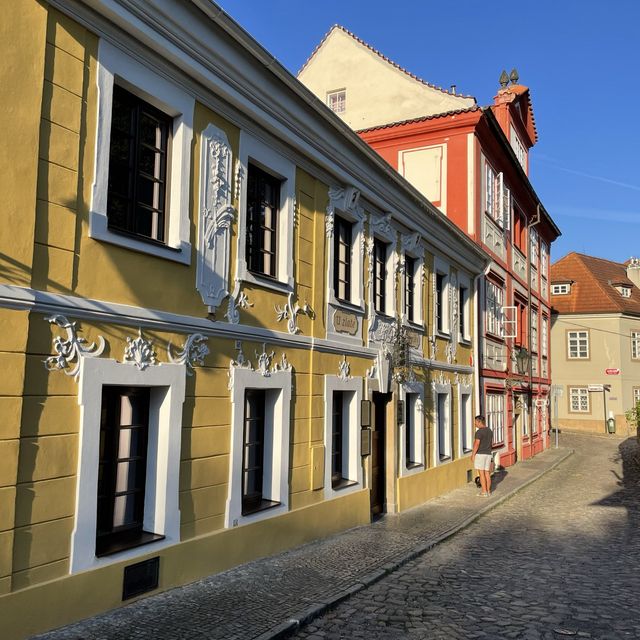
[560, 559]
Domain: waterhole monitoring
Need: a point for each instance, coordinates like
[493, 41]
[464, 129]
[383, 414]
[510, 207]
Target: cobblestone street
[561, 558]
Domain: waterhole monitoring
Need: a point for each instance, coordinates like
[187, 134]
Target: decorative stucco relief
[193, 352]
[216, 216]
[290, 311]
[140, 352]
[73, 348]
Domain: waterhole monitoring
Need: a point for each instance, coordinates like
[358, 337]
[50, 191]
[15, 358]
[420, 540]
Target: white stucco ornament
[73, 348]
[139, 352]
[290, 311]
[344, 369]
[234, 306]
[193, 352]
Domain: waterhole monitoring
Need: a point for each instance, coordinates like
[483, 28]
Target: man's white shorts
[482, 462]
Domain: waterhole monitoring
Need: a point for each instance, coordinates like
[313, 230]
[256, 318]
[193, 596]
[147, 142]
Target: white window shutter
[506, 209]
[498, 199]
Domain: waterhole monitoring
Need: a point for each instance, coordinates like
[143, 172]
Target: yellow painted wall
[67, 599]
[22, 61]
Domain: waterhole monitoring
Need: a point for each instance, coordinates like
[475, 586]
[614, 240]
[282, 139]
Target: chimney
[453, 89]
[633, 271]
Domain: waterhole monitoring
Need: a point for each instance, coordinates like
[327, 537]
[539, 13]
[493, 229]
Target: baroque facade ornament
[290, 311]
[439, 379]
[140, 352]
[216, 215]
[73, 348]
[344, 369]
[433, 347]
[239, 179]
[382, 224]
[193, 352]
[234, 306]
[409, 243]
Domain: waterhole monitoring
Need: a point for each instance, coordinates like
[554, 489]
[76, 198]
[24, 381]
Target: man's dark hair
[481, 419]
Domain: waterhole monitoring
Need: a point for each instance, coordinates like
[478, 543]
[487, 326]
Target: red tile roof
[400, 123]
[381, 55]
[592, 289]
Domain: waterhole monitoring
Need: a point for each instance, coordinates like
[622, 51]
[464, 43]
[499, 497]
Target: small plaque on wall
[345, 322]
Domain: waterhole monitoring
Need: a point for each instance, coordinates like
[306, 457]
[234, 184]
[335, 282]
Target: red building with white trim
[472, 163]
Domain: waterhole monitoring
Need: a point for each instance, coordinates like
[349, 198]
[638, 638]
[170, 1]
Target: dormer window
[561, 289]
[518, 148]
[624, 290]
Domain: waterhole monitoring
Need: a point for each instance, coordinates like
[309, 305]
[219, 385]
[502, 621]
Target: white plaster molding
[416, 411]
[240, 176]
[161, 506]
[139, 352]
[216, 215]
[344, 369]
[234, 306]
[170, 98]
[410, 243]
[440, 385]
[193, 352]
[382, 224]
[290, 311]
[73, 347]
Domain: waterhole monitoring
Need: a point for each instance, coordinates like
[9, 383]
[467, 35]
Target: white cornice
[226, 69]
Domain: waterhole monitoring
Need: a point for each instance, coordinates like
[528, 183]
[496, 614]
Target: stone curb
[317, 609]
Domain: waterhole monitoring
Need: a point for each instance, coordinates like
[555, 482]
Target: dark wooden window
[409, 431]
[254, 452]
[409, 287]
[337, 433]
[463, 294]
[263, 203]
[440, 301]
[379, 276]
[137, 188]
[122, 469]
[342, 259]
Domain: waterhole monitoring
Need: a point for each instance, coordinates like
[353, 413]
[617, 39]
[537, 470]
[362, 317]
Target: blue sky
[580, 60]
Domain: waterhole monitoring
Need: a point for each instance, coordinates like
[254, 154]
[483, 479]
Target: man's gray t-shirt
[485, 435]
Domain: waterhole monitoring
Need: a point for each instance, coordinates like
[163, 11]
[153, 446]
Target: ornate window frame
[411, 245]
[351, 435]
[465, 389]
[254, 151]
[161, 513]
[277, 384]
[416, 389]
[171, 99]
[441, 267]
[442, 388]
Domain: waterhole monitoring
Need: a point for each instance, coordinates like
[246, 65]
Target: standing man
[481, 455]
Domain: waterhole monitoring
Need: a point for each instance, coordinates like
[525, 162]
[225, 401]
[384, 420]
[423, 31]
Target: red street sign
[612, 372]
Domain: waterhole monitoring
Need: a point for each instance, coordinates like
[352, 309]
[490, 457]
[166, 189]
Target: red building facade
[473, 164]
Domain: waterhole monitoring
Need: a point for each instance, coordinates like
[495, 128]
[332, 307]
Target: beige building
[595, 342]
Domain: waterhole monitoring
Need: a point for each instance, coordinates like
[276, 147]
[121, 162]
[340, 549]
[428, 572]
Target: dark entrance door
[380, 401]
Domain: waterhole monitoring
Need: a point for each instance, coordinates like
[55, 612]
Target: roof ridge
[607, 292]
[385, 58]
[433, 116]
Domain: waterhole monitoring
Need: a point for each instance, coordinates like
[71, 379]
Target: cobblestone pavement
[268, 598]
[561, 558]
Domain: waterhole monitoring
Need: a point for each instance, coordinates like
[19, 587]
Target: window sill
[445, 458]
[344, 483]
[346, 305]
[264, 505]
[465, 341]
[99, 230]
[266, 282]
[124, 543]
[443, 334]
[413, 465]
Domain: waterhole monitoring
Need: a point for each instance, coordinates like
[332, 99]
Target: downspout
[530, 225]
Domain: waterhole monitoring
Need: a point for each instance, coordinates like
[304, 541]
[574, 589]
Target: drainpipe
[530, 225]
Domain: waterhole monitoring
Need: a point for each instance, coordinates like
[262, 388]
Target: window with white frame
[464, 312]
[544, 259]
[129, 461]
[443, 424]
[343, 471]
[342, 262]
[490, 203]
[636, 395]
[579, 400]
[258, 468]
[635, 345]
[466, 420]
[578, 345]
[441, 303]
[380, 275]
[518, 148]
[560, 289]
[265, 223]
[494, 305]
[495, 416]
[414, 433]
[534, 330]
[545, 336]
[625, 292]
[337, 100]
[412, 289]
[140, 197]
[533, 246]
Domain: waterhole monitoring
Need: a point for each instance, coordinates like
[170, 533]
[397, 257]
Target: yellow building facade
[228, 327]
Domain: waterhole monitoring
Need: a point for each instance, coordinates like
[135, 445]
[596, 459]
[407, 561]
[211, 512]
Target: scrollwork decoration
[234, 306]
[290, 311]
[73, 348]
[193, 352]
[140, 352]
